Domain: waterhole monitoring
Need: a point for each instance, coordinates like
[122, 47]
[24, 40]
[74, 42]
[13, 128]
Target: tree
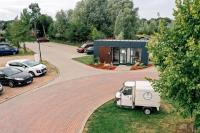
[97, 14]
[95, 34]
[77, 32]
[35, 14]
[176, 53]
[18, 32]
[44, 21]
[126, 21]
[61, 24]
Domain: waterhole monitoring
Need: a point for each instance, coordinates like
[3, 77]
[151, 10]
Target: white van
[138, 93]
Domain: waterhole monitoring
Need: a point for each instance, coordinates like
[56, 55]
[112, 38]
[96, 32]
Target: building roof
[113, 40]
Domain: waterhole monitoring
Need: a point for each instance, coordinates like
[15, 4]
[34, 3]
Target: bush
[95, 34]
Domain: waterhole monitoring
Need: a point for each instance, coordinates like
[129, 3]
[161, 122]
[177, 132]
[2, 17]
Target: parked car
[1, 89]
[138, 93]
[42, 39]
[6, 49]
[90, 50]
[32, 67]
[14, 77]
[83, 48]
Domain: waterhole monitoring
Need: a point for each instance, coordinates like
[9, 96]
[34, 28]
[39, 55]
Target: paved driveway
[64, 105]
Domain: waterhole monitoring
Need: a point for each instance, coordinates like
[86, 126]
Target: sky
[9, 9]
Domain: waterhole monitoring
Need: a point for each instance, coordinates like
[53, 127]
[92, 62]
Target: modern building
[121, 52]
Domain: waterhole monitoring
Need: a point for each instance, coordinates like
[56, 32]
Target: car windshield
[11, 71]
[31, 63]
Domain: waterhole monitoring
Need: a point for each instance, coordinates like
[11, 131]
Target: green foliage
[176, 53]
[43, 24]
[95, 35]
[88, 60]
[126, 21]
[149, 27]
[18, 32]
[77, 32]
[99, 18]
[111, 119]
[120, 36]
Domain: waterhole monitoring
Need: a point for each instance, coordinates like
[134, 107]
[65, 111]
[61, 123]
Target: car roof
[4, 43]
[19, 60]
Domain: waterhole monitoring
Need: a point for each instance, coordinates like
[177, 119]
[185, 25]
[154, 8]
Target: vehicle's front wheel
[32, 73]
[11, 84]
[147, 111]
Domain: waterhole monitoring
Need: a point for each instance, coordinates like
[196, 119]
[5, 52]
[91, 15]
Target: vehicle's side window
[13, 64]
[128, 91]
[20, 64]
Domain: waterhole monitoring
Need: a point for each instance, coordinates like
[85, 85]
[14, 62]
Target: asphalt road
[64, 105]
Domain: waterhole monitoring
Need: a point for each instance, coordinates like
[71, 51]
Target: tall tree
[176, 53]
[61, 24]
[126, 21]
[43, 23]
[18, 32]
[35, 14]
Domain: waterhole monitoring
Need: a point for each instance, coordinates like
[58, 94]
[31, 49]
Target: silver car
[1, 89]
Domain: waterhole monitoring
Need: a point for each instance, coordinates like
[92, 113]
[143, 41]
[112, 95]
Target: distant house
[121, 52]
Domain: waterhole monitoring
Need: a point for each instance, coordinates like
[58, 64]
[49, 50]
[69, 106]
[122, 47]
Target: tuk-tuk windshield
[122, 89]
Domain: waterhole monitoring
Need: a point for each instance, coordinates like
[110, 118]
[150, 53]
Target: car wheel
[11, 84]
[147, 111]
[32, 73]
[14, 53]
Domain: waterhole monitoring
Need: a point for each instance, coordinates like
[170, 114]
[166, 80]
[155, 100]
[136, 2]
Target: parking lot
[37, 82]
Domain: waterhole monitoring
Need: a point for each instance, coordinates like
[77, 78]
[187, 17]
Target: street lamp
[39, 47]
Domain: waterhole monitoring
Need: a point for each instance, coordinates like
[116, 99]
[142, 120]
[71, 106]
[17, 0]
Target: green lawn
[111, 119]
[85, 59]
[29, 52]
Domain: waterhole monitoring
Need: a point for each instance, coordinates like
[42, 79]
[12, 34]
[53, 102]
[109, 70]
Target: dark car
[42, 39]
[1, 89]
[90, 50]
[83, 48]
[6, 49]
[14, 77]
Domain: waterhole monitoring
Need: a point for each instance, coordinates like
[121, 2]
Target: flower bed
[139, 67]
[103, 66]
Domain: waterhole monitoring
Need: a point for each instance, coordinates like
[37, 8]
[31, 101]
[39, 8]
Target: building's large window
[123, 55]
[128, 56]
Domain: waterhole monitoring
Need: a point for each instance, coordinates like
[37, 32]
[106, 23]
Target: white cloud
[9, 9]
[149, 8]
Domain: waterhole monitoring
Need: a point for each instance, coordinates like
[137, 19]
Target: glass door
[123, 55]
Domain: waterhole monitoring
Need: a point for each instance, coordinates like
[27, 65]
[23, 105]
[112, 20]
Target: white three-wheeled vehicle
[138, 93]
